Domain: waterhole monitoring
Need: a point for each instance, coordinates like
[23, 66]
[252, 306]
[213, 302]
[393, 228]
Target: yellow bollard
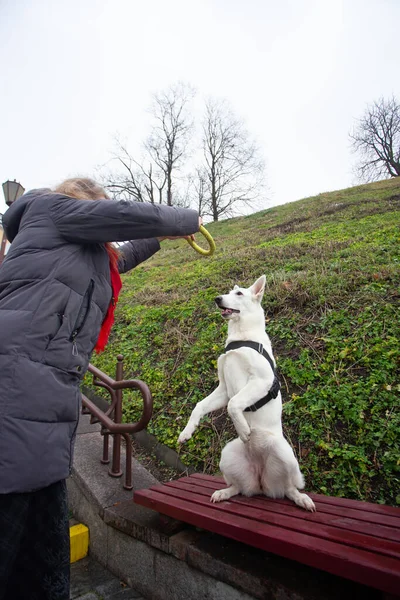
[79, 538]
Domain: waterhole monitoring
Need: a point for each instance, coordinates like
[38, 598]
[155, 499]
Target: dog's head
[241, 300]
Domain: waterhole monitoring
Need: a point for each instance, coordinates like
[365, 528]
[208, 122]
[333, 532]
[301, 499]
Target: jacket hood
[13, 215]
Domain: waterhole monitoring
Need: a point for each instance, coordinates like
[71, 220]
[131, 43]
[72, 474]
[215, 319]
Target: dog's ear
[258, 287]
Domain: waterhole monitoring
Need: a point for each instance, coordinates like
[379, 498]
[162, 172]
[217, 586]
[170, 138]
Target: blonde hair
[82, 188]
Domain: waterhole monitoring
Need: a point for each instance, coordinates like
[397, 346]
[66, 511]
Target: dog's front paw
[185, 435]
[244, 434]
[245, 437]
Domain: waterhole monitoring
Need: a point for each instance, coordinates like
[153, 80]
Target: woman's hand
[176, 237]
[180, 237]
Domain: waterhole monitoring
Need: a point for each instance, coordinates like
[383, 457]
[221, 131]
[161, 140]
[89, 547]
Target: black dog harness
[276, 386]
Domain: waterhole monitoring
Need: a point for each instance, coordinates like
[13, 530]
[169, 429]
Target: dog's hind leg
[238, 471]
[282, 475]
[294, 482]
[300, 499]
[278, 482]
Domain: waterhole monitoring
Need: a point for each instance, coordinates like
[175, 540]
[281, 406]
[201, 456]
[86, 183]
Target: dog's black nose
[218, 300]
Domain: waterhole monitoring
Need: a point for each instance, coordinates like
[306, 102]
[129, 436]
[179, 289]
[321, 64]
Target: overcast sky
[74, 73]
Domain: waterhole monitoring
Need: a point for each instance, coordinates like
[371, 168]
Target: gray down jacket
[54, 294]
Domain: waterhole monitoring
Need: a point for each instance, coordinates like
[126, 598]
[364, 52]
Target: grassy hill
[332, 312]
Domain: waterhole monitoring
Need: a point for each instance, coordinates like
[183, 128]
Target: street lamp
[12, 191]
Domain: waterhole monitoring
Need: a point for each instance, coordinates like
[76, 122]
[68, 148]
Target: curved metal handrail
[114, 426]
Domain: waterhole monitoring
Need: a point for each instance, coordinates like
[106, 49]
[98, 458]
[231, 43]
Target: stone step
[91, 581]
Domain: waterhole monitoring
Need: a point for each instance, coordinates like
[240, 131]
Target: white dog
[260, 460]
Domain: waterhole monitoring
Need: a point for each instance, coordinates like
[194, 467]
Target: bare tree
[137, 180]
[232, 174]
[376, 137]
[198, 189]
[168, 142]
[153, 177]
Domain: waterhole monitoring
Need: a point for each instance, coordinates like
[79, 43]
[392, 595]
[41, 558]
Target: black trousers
[34, 545]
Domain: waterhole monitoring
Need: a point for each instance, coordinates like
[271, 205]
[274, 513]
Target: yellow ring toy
[209, 239]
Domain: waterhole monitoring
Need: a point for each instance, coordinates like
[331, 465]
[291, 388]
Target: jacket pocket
[60, 322]
[82, 316]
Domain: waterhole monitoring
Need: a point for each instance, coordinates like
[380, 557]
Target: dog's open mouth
[226, 312]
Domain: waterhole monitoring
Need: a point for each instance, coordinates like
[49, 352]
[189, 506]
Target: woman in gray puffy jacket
[59, 285]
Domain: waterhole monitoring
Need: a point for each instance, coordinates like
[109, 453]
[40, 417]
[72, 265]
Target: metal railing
[3, 240]
[111, 420]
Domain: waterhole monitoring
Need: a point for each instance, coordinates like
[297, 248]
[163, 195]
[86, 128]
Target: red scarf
[116, 285]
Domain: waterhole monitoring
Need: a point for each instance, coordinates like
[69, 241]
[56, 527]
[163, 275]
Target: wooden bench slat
[296, 524]
[376, 570]
[342, 523]
[377, 517]
[382, 509]
[350, 523]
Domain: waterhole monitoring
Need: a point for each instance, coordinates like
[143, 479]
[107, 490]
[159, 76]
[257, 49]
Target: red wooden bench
[355, 540]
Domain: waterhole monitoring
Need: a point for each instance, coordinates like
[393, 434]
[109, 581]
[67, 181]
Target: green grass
[332, 311]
